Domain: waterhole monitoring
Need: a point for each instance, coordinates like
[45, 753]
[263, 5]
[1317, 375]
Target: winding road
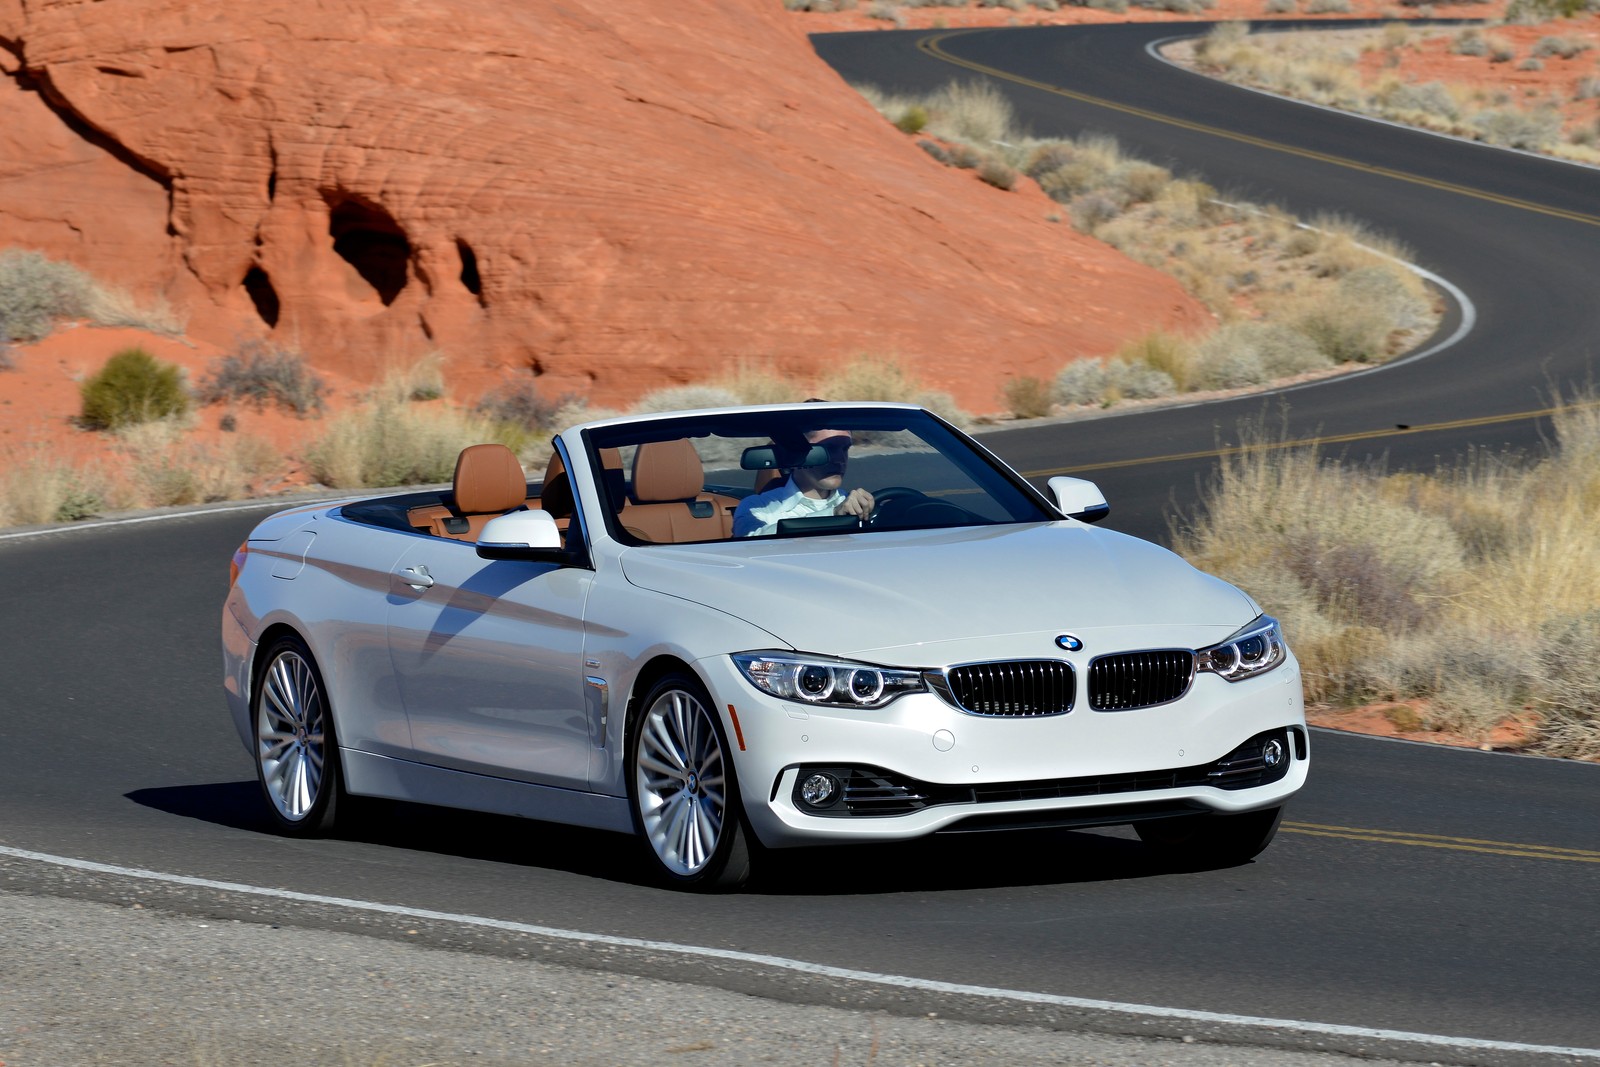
[1442, 894]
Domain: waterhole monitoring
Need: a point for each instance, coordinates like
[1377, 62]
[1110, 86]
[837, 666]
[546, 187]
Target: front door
[489, 657]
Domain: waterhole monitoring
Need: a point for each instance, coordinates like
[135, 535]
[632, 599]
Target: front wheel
[1211, 840]
[685, 796]
[297, 756]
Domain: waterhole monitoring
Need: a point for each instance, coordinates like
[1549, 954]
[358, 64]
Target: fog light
[1272, 752]
[818, 789]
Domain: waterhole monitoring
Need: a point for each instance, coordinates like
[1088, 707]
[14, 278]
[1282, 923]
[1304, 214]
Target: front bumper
[920, 766]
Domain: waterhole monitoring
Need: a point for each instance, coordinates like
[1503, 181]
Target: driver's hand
[859, 503]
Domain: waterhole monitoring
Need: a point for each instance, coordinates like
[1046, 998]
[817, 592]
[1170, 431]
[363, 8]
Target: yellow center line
[933, 47]
[1458, 844]
[1317, 442]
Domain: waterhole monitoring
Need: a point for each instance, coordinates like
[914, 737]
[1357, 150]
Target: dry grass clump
[160, 467]
[875, 377]
[35, 291]
[384, 443]
[1473, 590]
[1319, 67]
[38, 487]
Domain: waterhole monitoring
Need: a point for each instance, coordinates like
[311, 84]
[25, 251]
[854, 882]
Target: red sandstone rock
[622, 195]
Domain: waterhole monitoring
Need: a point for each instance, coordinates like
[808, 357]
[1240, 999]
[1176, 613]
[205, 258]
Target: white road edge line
[803, 967]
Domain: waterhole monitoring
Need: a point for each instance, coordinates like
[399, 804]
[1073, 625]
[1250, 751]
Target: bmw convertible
[726, 631]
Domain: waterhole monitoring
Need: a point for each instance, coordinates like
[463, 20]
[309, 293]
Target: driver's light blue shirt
[759, 514]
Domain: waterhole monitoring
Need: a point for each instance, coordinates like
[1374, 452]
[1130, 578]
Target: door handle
[417, 577]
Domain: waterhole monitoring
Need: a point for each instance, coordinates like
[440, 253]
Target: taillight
[236, 564]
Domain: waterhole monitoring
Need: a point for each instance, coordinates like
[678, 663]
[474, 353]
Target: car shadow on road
[952, 862]
[418, 828]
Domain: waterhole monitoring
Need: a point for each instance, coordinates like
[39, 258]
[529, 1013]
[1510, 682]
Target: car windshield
[799, 471]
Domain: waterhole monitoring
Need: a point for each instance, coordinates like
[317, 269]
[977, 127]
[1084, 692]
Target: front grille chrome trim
[1128, 681]
[1008, 689]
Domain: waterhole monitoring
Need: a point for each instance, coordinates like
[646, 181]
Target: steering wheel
[894, 498]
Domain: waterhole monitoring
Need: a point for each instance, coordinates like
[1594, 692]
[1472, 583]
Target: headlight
[1254, 650]
[825, 682]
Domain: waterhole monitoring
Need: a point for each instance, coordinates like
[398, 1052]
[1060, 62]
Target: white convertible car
[759, 627]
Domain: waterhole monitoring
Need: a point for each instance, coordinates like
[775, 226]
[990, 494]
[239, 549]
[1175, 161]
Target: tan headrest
[667, 470]
[488, 479]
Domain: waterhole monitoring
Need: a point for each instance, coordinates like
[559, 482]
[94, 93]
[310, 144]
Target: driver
[808, 491]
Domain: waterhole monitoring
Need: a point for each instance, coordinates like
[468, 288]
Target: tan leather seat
[669, 502]
[488, 483]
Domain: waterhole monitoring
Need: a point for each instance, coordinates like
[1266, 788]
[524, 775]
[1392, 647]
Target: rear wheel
[1211, 840]
[297, 756]
[685, 796]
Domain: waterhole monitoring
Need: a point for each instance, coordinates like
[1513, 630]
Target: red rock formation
[621, 195]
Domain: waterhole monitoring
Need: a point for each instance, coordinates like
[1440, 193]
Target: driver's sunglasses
[836, 447]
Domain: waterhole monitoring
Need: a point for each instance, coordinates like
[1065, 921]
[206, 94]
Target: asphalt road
[1414, 889]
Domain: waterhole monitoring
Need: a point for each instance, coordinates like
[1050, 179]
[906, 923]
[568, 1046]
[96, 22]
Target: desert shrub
[163, 468]
[754, 382]
[1564, 687]
[1134, 380]
[975, 112]
[1328, 7]
[108, 306]
[1469, 42]
[912, 120]
[997, 174]
[1251, 352]
[1512, 128]
[36, 290]
[37, 487]
[1533, 12]
[1083, 381]
[1428, 98]
[686, 398]
[260, 373]
[869, 377]
[132, 387]
[1090, 211]
[1171, 355]
[886, 11]
[1531, 64]
[420, 379]
[1027, 397]
[387, 444]
[1562, 46]
[874, 377]
[519, 401]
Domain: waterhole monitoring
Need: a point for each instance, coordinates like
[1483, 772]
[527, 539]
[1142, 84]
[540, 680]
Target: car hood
[921, 596]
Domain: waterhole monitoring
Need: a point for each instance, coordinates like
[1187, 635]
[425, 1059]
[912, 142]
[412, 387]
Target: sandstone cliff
[621, 195]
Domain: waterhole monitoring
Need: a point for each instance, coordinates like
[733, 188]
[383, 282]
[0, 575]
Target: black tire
[1211, 840]
[683, 791]
[296, 749]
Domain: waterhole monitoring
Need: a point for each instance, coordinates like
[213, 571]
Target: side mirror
[1079, 499]
[527, 535]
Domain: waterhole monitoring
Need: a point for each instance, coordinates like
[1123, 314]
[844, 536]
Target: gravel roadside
[83, 982]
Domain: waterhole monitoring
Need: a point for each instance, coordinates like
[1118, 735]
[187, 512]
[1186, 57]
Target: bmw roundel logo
[1070, 642]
